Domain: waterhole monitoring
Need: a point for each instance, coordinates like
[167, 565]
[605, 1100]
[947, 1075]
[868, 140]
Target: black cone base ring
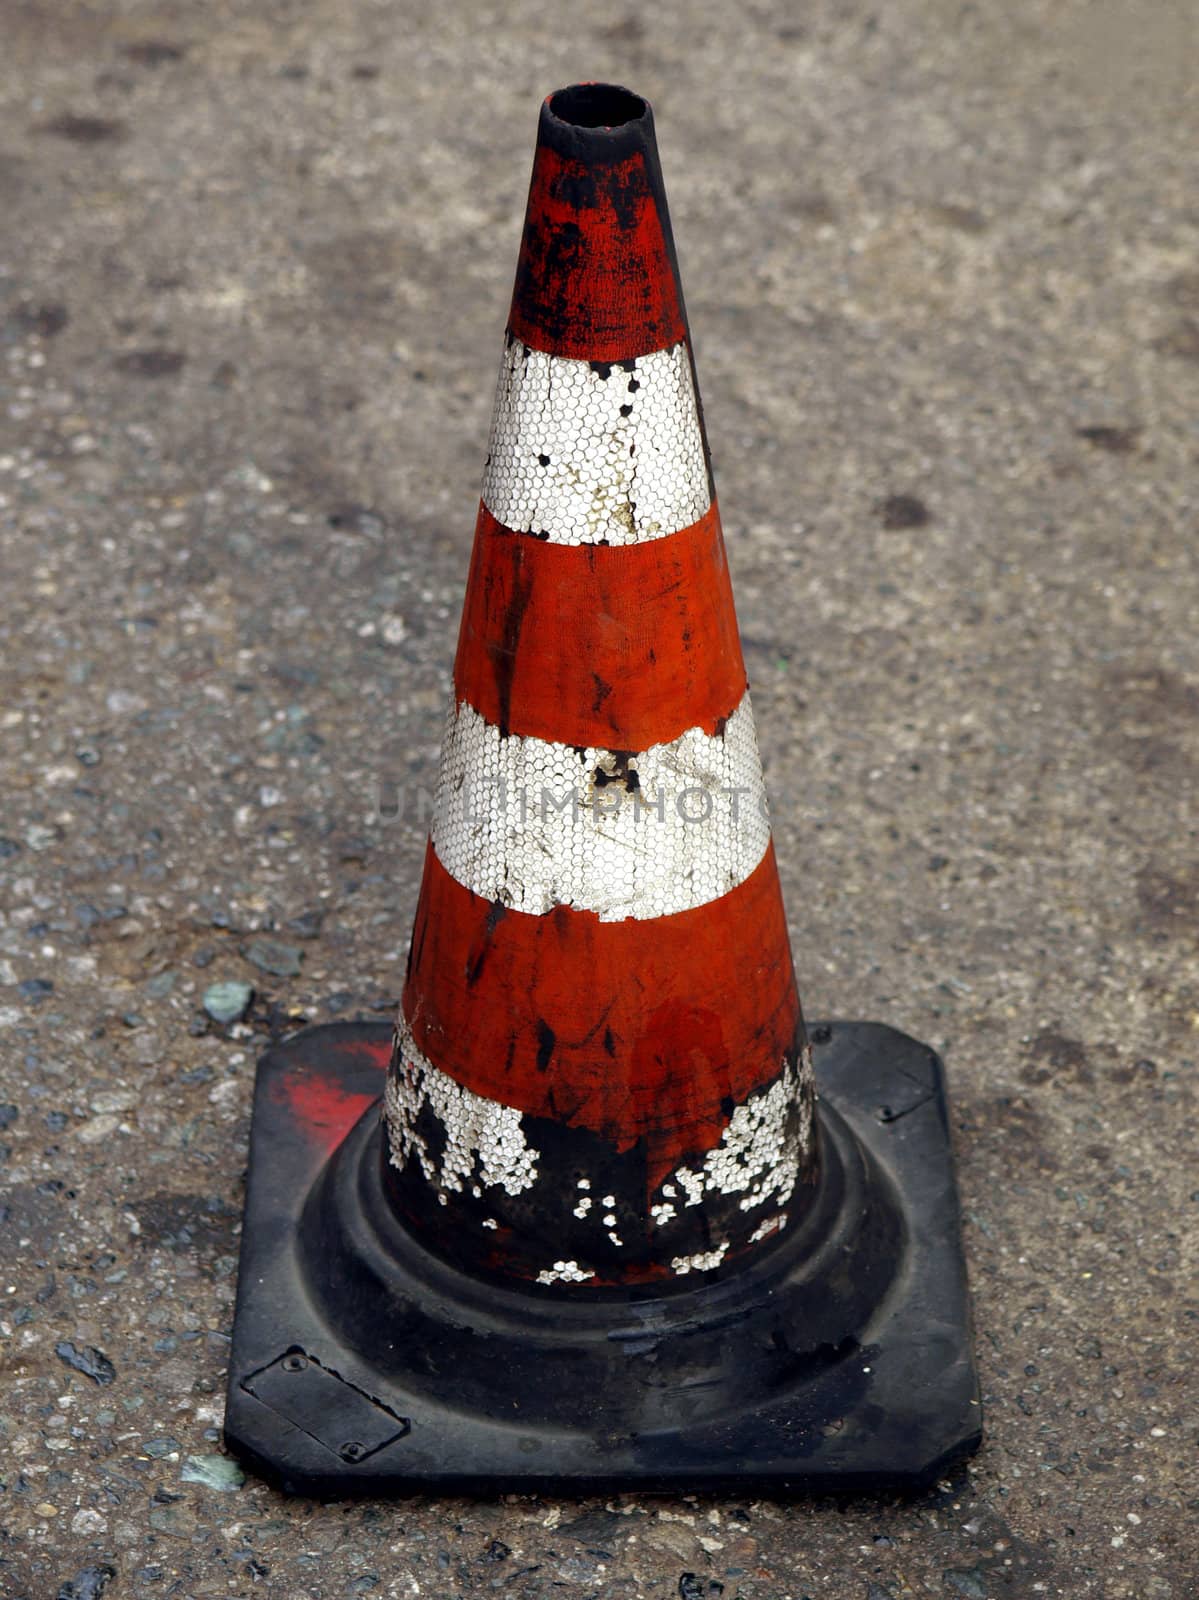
[842, 1359]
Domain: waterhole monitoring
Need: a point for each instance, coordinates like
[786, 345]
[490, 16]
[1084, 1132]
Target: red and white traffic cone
[601, 1076]
[602, 1235]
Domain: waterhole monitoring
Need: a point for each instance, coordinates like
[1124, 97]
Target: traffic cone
[601, 1234]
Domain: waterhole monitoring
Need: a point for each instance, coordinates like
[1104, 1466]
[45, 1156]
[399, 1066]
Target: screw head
[353, 1451]
[295, 1362]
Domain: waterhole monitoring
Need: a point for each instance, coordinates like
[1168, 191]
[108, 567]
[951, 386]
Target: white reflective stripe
[535, 824]
[584, 453]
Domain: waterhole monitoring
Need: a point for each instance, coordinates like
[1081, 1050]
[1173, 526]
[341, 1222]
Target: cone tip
[597, 123]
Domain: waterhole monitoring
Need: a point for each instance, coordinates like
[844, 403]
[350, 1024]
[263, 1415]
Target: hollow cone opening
[597, 105]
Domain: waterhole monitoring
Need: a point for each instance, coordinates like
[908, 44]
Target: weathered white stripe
[760, 1151]
[534, 824]
[484, 1145]
[584, 453]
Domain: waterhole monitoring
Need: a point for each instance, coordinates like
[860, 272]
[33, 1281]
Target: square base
[308, 1412]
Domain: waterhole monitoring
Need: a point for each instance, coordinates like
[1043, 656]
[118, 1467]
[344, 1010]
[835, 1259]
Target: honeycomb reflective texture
[589, 453]
[533, 824]
[760, 1153]
[484, 1142]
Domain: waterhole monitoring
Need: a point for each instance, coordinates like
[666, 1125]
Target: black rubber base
[363, 1364]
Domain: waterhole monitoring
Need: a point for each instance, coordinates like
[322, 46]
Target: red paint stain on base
[322, 1106]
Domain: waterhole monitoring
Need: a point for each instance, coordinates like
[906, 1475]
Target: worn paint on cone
[600, 1075]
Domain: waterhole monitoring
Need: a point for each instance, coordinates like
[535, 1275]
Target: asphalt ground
[942, 264]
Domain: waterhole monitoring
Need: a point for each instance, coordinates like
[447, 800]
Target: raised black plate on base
[361, 1364]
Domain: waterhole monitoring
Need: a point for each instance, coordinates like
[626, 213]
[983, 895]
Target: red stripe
[595, 279]
[616, 646]
[634, 1030]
